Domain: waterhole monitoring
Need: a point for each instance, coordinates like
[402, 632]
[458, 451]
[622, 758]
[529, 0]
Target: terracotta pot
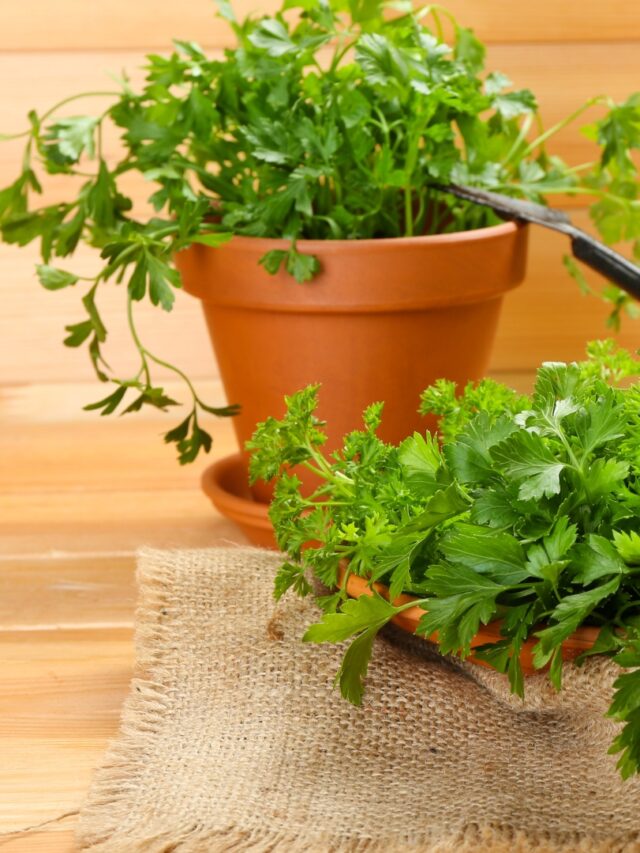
[382, 320]
[580, 641]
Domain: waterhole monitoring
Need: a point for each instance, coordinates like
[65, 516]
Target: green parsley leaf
[356, 615]
[55, 279]
[526, 459]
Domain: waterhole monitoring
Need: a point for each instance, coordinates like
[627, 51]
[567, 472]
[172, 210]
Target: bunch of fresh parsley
[332, 119]
[529, 512]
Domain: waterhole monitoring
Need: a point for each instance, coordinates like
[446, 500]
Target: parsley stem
[408, 211]
[136, 340]
[419, 602]
[72, 98]
[163, 232]
[6, 137]
[339, 56]
[323, 469]
[524, 130]
[178, 372]
[99, 141]
[326, 503]
[146, 354]
[542, 138]
[627, 606]
[26, 158]
[433, 10]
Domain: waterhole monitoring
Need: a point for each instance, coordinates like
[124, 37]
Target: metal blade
[587, 249]
[509, 208]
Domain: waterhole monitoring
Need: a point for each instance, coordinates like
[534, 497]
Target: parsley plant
[332, 119]
[529, 512]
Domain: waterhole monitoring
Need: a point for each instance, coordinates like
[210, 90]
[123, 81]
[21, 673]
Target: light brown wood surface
[78, 497]
[76, 501]
[30, 25]
[79, 494]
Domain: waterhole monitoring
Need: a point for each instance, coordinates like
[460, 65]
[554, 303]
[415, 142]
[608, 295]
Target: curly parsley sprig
[529, 512]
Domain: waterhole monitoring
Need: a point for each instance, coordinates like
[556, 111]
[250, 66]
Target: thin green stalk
[72, 98]
[162, 363]
[408, 211]
[6, 137]
[420, 215]
[339, 56]
[629, 605]
[326, 471]
[524, 130]
[540, 140]
[137, 341]
[26, 157]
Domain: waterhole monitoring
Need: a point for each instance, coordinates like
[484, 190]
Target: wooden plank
[63, 402]
[101, 486]
[96, 523]
[33, 322]
[562, 78]
[60, 699]
[547, 313]
[100, 457]
[76, 24]
[55, 593]
[546, 21]
[36, 25]
[49, 839]
[54, 402]
[547, 317]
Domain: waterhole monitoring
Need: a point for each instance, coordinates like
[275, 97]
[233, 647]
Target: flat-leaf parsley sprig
[529, 512]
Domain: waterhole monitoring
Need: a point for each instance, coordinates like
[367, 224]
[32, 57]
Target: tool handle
[610, 264]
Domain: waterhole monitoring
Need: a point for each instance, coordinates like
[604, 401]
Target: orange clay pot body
[381, 321]
[580, 641]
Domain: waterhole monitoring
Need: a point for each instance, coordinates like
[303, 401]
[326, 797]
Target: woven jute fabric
[233, 738]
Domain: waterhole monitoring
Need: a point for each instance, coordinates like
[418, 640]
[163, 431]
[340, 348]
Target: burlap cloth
[233, 739]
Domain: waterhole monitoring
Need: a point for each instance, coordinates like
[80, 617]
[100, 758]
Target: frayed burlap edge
[143, 712]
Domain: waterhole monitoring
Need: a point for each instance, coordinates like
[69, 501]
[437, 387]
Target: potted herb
[293, 184]
[517, 540]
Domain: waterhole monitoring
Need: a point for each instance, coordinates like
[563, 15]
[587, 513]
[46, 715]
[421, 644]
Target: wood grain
[37, 25]
[73, 513]
[51, 838]
[96, 486]
[60, 699]
[545, 317]
[561, 78]
[56, 593]
[78, 494]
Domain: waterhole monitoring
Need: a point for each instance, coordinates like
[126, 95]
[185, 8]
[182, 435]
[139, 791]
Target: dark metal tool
[586, 248]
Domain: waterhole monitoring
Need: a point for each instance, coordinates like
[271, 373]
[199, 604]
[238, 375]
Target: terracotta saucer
[226, 483]
[580, 641]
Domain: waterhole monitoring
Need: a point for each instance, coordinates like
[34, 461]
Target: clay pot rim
[582, 639]
[240, 241]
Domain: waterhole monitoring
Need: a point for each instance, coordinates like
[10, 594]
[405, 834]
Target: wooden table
[77, 498]
[78, 495]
